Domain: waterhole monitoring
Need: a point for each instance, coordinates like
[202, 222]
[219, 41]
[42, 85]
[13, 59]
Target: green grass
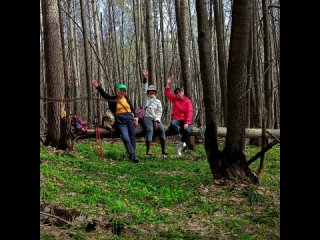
[158, 199]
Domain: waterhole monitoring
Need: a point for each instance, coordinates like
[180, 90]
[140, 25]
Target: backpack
[140, 112]
[78, 124]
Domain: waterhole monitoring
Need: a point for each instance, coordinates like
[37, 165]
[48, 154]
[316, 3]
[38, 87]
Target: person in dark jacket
[125, 122]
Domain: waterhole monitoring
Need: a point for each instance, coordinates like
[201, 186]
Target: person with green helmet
[125, 122]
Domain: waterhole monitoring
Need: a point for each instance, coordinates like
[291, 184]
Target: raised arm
[144, 85]
[100, 90]
[168, 90]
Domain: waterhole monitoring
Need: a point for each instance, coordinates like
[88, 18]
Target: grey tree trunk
[182, 17]
[75, 77]
[65, 125]
[205, 46]
[54, 69]
[99, 55]
[257, 120]
[87, 62]
[150, 46]
[163, 48]
[221, 56]
[267, 63]
[234, 165]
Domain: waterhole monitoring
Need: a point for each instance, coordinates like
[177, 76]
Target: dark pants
[147, 124]
[127, 132]
[176, 126]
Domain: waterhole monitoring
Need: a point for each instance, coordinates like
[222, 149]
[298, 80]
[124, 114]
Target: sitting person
[125, 123]
[151, 121]
[181, 116]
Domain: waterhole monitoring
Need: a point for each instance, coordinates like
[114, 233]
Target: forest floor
[83, 196]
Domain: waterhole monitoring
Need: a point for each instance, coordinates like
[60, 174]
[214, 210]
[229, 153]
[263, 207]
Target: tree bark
[86, 56]
[54, 68]
[150, 46]
[182, 17]
[221, 56]
[233, 165]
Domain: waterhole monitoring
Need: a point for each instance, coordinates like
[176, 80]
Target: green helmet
[119, 85]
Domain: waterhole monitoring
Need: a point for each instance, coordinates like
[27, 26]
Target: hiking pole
[99, 145]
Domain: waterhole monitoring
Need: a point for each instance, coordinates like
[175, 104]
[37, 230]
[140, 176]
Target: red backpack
[78, 124]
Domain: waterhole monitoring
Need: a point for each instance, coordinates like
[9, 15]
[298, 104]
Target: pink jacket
[182, 109]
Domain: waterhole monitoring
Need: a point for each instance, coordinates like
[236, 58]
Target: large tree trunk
[54, 68]
[233, 164]
[65, 125]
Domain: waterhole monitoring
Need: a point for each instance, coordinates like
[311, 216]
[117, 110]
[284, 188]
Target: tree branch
[59, 218]
[267, 148]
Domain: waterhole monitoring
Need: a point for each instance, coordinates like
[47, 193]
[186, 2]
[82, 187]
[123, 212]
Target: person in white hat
[151, 121]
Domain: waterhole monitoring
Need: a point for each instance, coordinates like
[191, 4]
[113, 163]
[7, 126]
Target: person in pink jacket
[181, 116]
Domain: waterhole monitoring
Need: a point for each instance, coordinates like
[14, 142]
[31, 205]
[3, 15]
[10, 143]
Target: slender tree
[150, 45]
[182, 17]
[267, 71]
[221, 55]
[87, 62]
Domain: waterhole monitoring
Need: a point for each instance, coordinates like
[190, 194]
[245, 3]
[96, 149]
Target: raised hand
[145, 73]
[95, 83]
[169, 80]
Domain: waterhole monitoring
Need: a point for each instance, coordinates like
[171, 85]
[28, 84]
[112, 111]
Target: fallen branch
[221, 132]
[267, 148]
[59, 218]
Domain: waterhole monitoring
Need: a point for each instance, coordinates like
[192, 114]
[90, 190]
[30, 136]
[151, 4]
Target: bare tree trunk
[137, 27]
[221, 56]
[73, 53]
[86, 56]
[257, 120]
[164, 55]
[54, 68]
[267, 63]
[150, 42]
[234, 164]
[205, 46]
[42, 76]
[65, 125]
[99, 54]
[182, 14]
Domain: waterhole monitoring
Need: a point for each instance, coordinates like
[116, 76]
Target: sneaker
[133, 158]
[181, 145]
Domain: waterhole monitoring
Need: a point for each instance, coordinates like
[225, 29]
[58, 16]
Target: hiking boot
[148, 145]
[133, 158]
[181, 145]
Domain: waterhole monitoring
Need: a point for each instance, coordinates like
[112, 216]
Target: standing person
[181, 116]
[152, 120]
[125, 122]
